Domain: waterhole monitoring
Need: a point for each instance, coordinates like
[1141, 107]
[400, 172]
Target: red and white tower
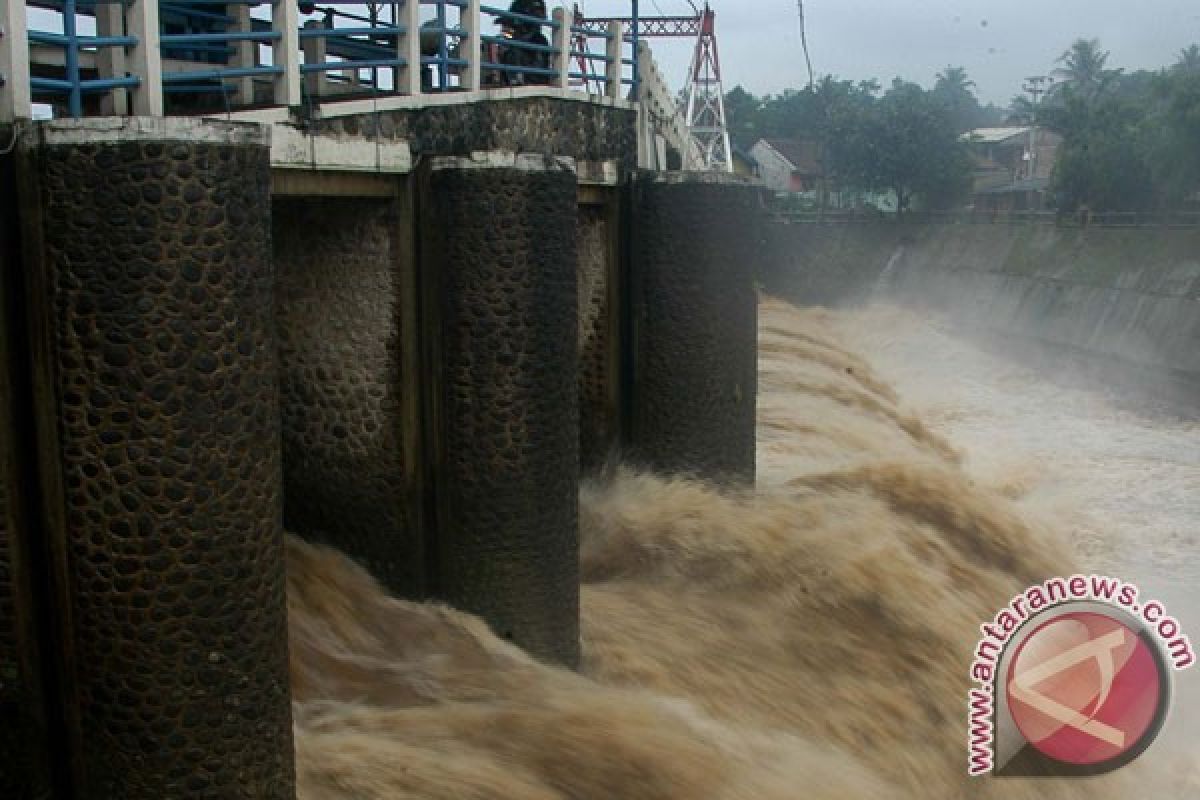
[710, 150]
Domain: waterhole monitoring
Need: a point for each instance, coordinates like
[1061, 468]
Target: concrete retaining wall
[1127, 295]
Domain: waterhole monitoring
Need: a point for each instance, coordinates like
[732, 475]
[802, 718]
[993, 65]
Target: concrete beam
[294, 149]
[15, 100]
[398, 103]
[308, 183]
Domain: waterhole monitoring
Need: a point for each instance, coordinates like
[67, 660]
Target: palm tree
[954, 79]
[1083, 68]
[1189, 59]
[956, 90]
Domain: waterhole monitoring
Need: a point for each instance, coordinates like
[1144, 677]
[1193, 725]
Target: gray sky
[998, 41]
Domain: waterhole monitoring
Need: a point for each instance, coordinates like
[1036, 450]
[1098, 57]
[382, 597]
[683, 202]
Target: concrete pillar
[614, 49]
[408, 77]
[499, 274]
[144, 59]
[471, 47]
[562, 40]
[155, 409]
[315, 49]
[110, 61]
[693, 325]
[16, 101]
[285, 53]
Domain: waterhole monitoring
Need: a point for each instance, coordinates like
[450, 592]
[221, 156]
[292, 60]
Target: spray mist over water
[807, 639]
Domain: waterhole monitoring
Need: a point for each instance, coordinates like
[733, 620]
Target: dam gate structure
[273, 267]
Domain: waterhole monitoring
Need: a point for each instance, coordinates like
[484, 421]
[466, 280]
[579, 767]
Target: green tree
[957, 91]
[1189, 59]
[743, 115]
[905, 142]
[1084, 68]
[1101, 163]
[1171, 135]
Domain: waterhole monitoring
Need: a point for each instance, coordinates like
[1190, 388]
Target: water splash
[809, 638]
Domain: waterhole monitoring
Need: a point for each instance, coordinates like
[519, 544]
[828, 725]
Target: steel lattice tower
[710, 151]
[708, 146]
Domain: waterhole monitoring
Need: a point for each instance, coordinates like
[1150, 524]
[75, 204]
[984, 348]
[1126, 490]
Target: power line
[804, 42]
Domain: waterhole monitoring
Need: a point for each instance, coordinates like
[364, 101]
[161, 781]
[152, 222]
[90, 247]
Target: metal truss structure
[710, 149]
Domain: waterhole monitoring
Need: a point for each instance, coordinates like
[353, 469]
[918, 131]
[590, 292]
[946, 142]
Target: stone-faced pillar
[147, 259]
[693, 325]
[500, 325]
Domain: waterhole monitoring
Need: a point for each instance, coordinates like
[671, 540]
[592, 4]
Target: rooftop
[995, 135]
[801, 154]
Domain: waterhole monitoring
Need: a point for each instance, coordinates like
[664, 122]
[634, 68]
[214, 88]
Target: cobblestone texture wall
[156, 300]
[598, 420]
[694, 326]
[503, 258]
[338, 306]
[553, 126]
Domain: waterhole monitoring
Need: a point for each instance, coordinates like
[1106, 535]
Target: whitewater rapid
[809, 638]
[1121, 483]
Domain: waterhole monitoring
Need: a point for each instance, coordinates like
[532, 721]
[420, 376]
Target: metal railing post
[145, 58]
[15, 95]
[562, 47]
[245, 52]
[285, 53]
[472, 77]
[408, 47]
[635, 32]
[110, 61]
[612, 51]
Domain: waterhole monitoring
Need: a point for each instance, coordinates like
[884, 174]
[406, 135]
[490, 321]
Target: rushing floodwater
[807, 639]
[1123, 487]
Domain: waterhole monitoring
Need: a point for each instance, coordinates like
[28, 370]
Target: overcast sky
[1000, 42]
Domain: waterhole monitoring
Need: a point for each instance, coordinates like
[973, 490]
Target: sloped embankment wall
[1128, 295]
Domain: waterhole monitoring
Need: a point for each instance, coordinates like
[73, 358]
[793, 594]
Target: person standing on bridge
[526, 31]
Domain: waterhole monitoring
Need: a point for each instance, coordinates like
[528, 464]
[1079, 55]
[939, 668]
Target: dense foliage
[904, 140]
[1131, 141]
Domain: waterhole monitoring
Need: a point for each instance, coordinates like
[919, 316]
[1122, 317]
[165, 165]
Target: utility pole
[1035, 86]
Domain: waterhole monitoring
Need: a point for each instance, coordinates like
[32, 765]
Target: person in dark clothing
[525, 32]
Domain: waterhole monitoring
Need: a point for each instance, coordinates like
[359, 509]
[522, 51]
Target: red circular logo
[1085, 689]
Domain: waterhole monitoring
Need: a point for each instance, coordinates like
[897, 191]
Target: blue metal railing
[592, 74]
[205, 32]
[441, 60]
[230, 47]
[73, 86]
[340, 53]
